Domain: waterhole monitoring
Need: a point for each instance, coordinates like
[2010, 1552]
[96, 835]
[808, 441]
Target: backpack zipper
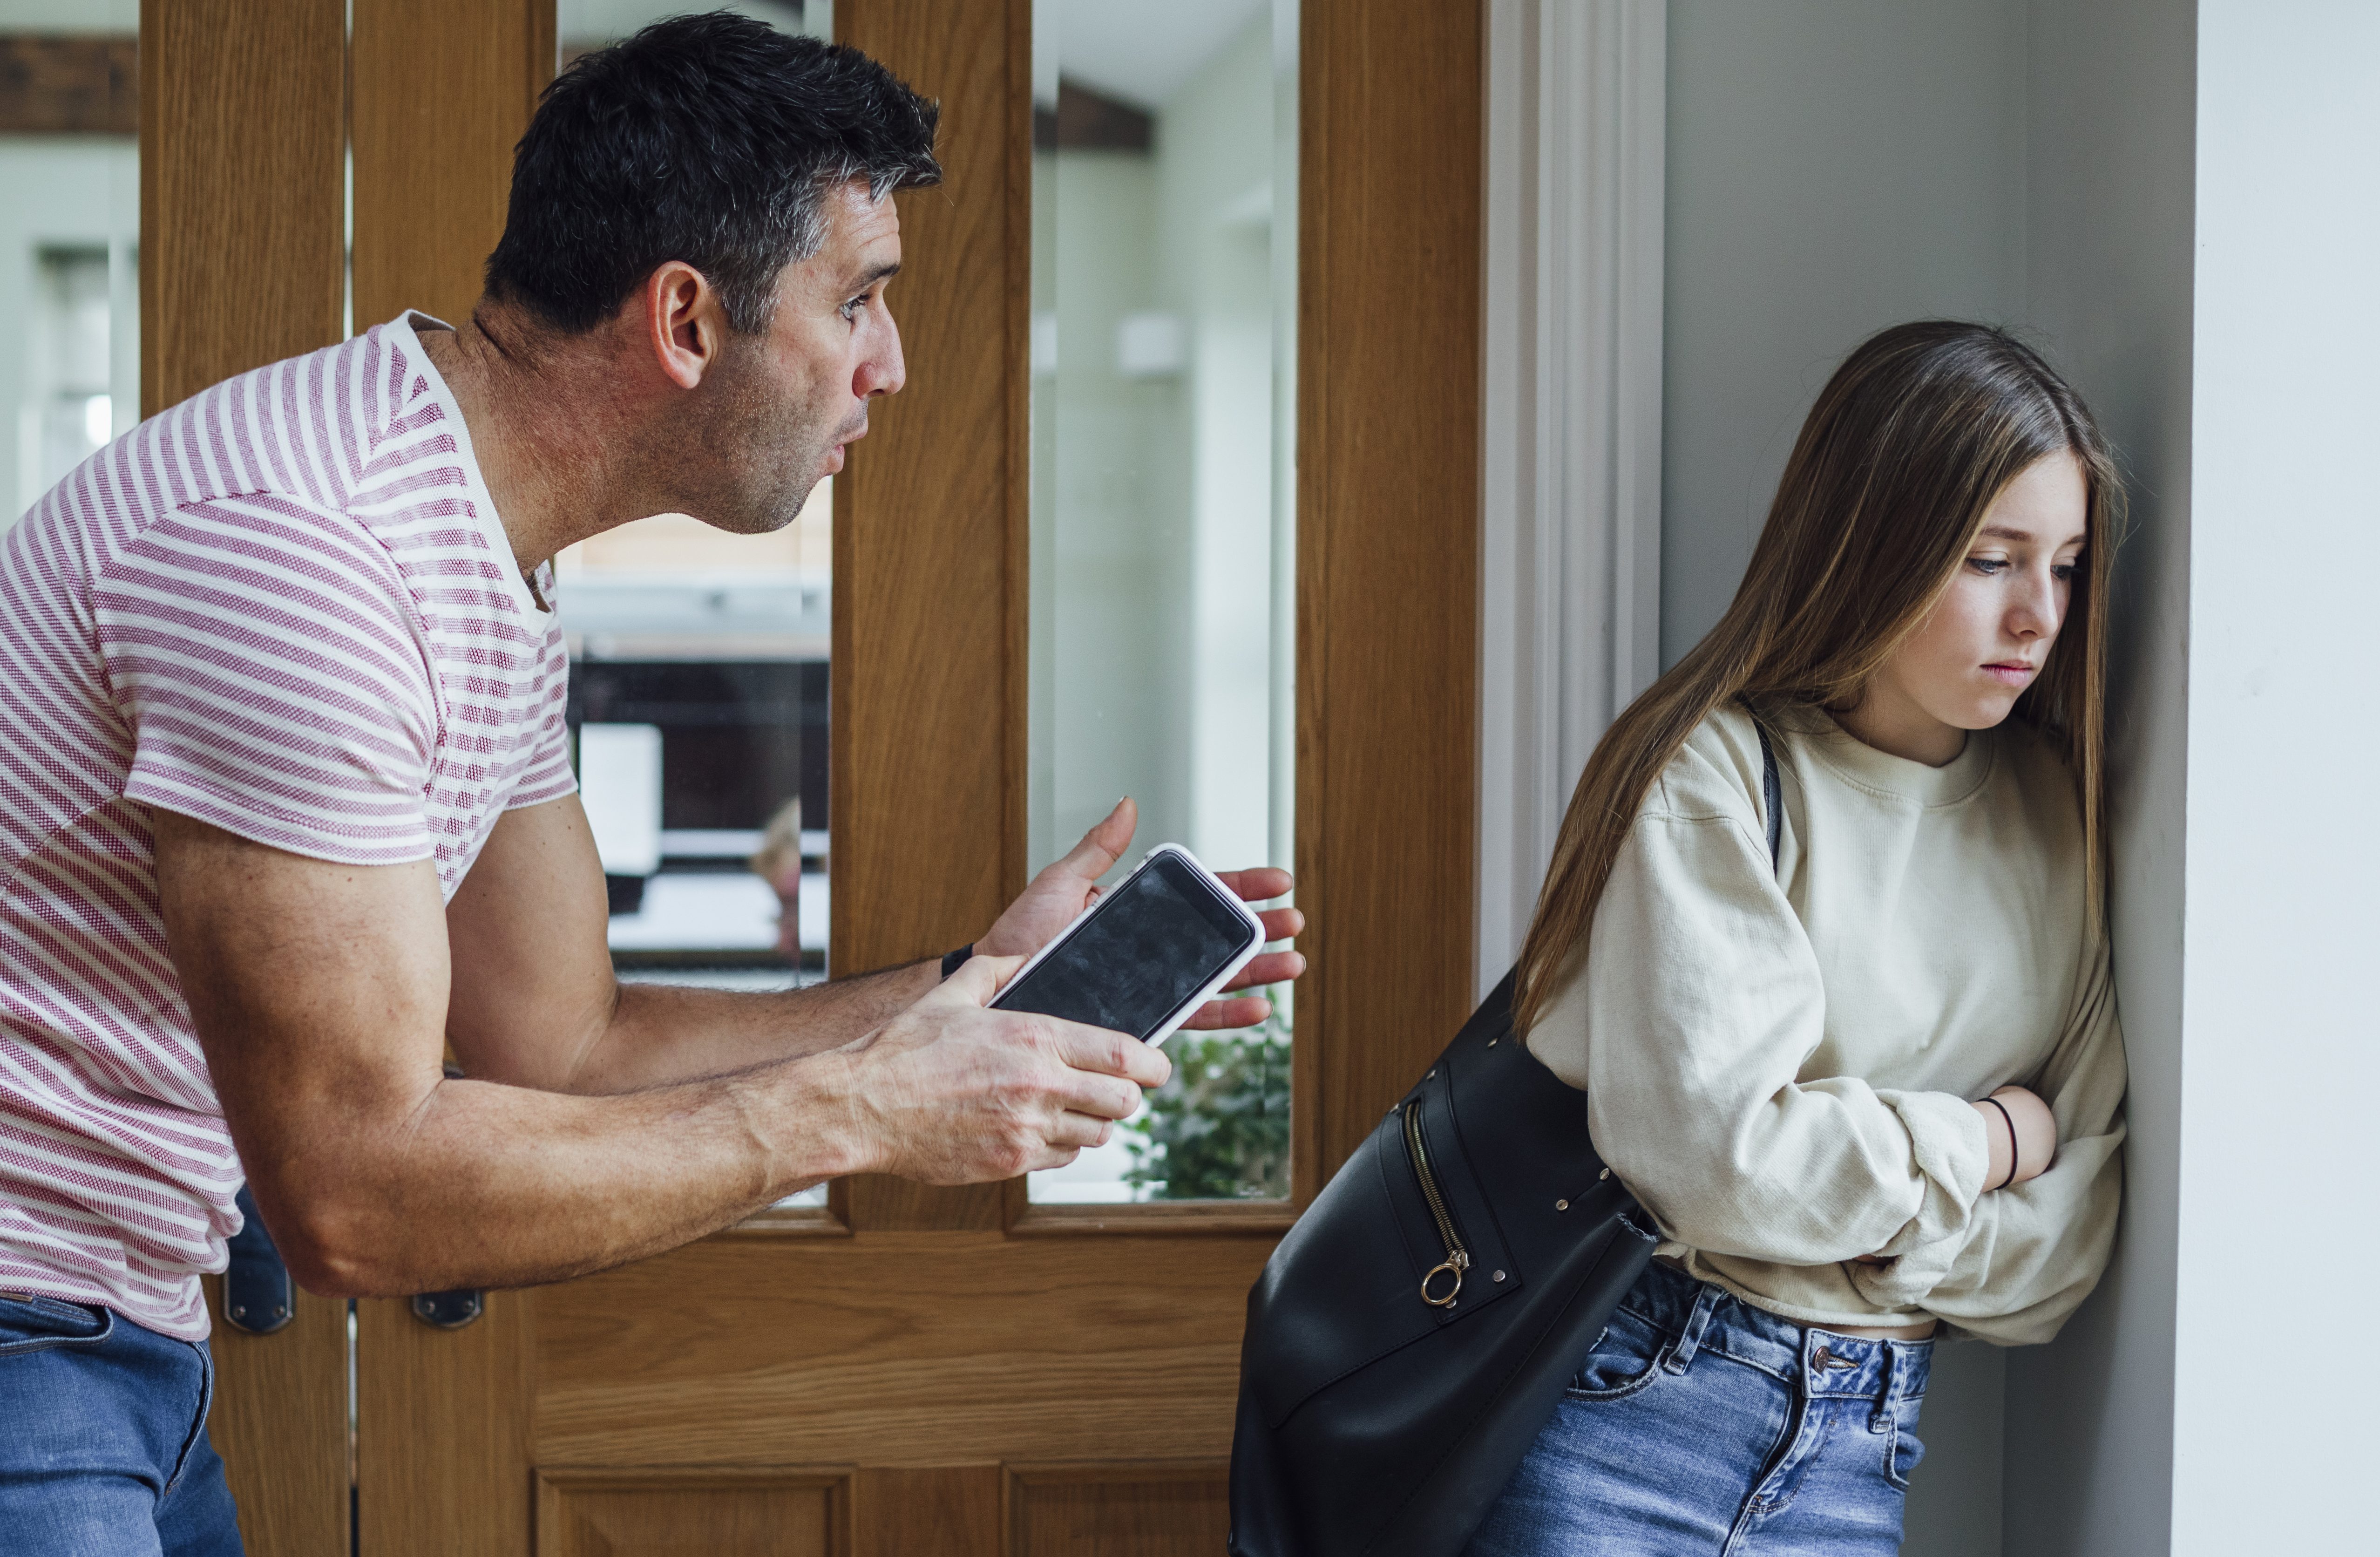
[1458, 1259]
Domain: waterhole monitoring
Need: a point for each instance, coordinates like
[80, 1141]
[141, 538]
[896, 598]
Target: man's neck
[543, 427]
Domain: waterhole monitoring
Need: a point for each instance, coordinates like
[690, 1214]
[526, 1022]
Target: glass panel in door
[699, 698]
[1165, 265]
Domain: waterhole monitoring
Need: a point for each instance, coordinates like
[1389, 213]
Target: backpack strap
[1772, 794]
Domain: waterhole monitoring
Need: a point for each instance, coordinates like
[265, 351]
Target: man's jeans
[104, 1452]
[1703, 1426]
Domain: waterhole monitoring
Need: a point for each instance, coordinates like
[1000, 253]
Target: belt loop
[1881, 1417]
[1681, 1356]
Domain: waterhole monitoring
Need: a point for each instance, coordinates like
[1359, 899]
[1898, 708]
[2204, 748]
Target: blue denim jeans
[1701, 1425]
[105, 1453]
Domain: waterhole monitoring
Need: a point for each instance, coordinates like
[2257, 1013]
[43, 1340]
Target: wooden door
[911, 1371]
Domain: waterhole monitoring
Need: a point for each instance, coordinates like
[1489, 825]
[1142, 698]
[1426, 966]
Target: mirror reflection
[1164, 263]
[69, 234]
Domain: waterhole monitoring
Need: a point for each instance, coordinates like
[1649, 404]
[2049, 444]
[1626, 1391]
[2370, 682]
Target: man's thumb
[979, 978]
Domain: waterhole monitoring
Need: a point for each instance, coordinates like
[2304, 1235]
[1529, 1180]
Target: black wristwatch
[956, 960]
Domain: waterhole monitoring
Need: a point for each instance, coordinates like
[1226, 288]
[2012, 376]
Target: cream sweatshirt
[1778, 1062]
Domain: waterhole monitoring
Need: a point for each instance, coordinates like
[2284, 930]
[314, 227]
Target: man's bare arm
[534, 1001]
[320, 996]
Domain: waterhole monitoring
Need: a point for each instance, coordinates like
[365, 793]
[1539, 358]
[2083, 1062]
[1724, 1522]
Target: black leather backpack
[1414, 1332]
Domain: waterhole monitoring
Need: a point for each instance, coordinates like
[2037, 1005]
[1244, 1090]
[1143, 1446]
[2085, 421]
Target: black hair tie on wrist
[2015, 1160]
[953, 961]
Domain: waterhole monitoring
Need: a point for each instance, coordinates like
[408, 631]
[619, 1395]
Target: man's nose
[882, 370]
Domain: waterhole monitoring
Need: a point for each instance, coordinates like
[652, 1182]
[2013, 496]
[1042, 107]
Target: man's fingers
[1102, 1053]
[1269, 967]
[1258, 884]
[1246, 1011]
[1075, 1131]
[1280, 924]
[1095, 1096]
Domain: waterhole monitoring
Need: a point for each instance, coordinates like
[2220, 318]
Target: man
[286, 808]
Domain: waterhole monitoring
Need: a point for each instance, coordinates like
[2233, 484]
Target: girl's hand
[2034, 1143]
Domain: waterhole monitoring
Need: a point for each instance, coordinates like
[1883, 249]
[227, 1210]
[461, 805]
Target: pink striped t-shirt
[286, 607]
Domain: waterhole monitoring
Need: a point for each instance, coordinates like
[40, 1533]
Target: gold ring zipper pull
[1454, 1267]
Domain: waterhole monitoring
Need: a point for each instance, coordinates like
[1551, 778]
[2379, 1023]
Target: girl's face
[1988, 636]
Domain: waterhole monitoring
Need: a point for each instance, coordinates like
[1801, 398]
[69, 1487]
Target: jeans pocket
[1902, 1448]
[1621, 1362]
[36, 1324]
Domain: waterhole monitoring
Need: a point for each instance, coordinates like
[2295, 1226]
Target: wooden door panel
[443, 90]
[1388, 580]
[241, 264]
[279, 1421]
[761, 1512]
[951, 1511]
[959, 1374]
[915, 1348]
[242, 248]
[1100, 1509]
[441, 1418]
[927, 849]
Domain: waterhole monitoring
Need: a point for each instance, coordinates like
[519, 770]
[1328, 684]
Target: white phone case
[1182, 1013]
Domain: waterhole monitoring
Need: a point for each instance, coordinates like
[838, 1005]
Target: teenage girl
[1872, 1086]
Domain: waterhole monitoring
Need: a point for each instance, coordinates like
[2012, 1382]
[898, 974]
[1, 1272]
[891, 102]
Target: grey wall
[1833, 167]
[2108, 265]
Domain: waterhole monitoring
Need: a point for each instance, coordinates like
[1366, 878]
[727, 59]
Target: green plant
[1219, 1128]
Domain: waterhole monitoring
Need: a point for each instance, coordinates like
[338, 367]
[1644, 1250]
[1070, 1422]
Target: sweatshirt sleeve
[2030, 1253]
[1699, 1002]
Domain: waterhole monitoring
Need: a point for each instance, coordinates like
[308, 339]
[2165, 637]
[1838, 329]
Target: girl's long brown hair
[1916, 434]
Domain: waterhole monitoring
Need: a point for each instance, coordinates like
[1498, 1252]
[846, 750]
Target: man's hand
[1051, 899]
[949, 1092]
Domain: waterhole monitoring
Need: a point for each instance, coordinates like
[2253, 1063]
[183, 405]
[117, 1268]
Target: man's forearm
[485, 1185]
[663, 1034]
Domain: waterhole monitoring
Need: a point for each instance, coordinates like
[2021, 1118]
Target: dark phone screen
[1153, 944]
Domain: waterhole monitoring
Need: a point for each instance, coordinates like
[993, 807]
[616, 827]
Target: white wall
[2276, 1257]
[2109, 222]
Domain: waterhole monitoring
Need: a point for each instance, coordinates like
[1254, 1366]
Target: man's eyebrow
[868, 279]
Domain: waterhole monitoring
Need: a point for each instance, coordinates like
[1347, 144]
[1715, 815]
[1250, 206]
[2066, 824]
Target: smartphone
[1147, 954]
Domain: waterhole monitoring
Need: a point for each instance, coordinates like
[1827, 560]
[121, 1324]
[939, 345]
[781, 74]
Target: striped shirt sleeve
[267, 657]
[548, 775]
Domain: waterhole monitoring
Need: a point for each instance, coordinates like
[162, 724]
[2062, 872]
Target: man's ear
[684, 323]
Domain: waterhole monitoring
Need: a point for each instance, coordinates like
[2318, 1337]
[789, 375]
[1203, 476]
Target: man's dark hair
[712, 140]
